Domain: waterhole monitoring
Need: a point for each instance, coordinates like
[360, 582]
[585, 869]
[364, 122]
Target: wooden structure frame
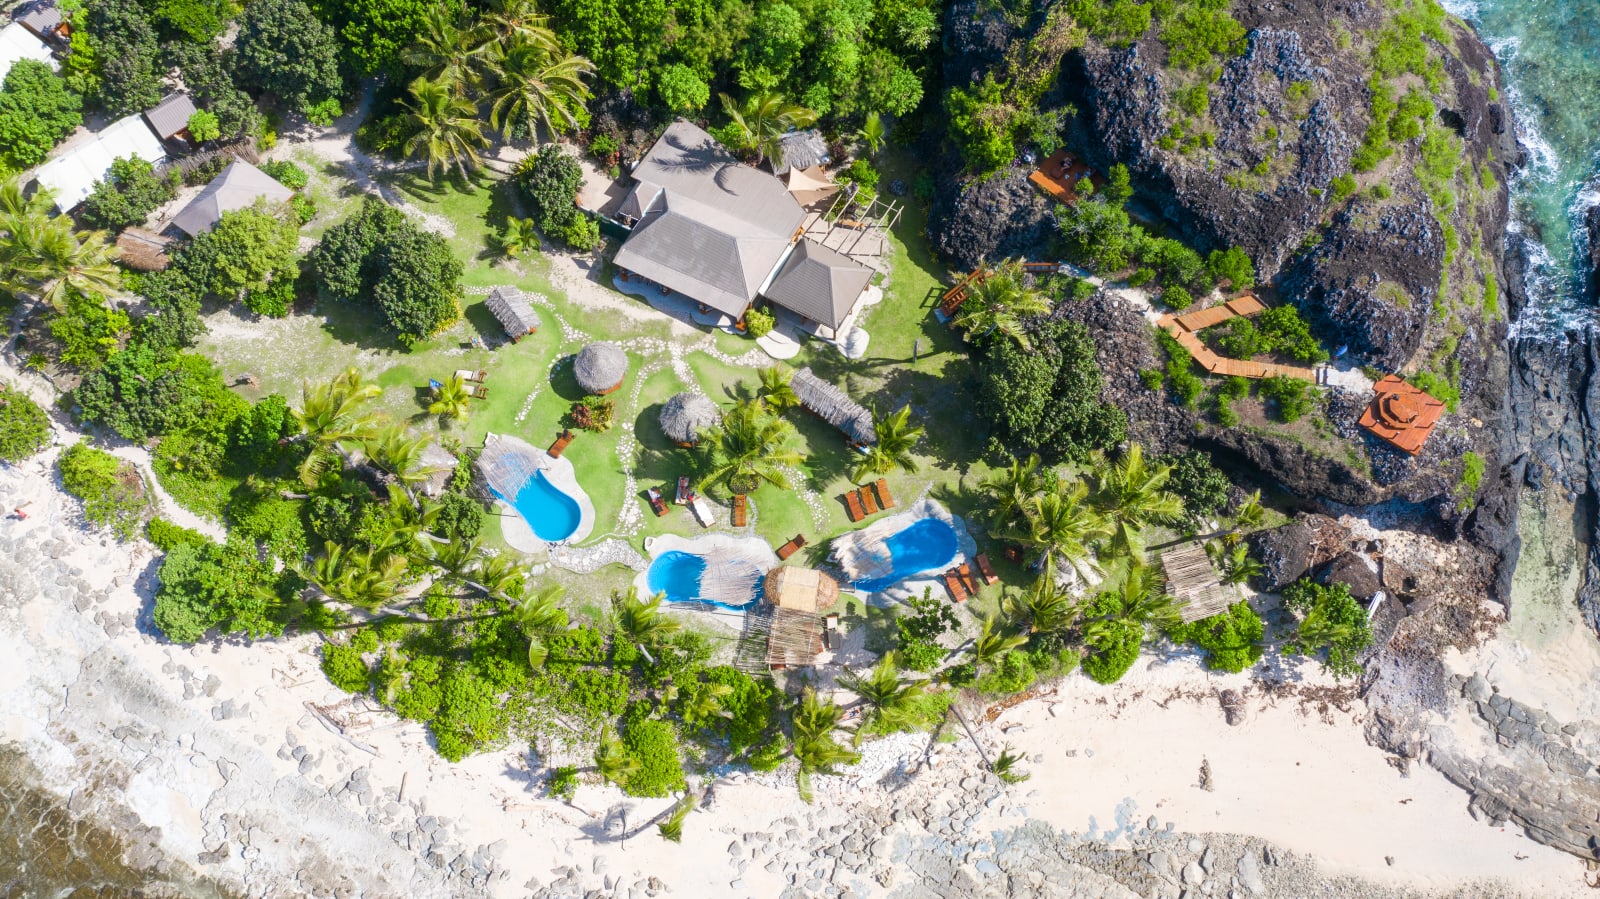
[1194, 582]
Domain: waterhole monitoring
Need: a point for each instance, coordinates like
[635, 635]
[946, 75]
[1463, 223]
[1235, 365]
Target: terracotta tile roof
[1402, 414]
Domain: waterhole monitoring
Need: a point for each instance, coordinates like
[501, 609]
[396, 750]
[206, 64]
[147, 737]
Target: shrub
[24, 426]
[1239, 339]
[112, 491]
[681, 90]
[1152, 378]
[1112, 654]
[1232, 265]
[222, 586]
[204, 126]
[271, 521]
[1047, 399]
[1176, 298]
[1332, 610]
[128, 197]
[551, 179]
[603, 147]
[287, 173]
[1292, 397]
[1472, 469]
[1195, 480]
[1438, 387]
[1185, 384]
[1343, 187]
[758, 322]
[592, 413]
[345, 668]
[1014, 674]
[654, 745]
[305, 208]
[752, 706]
[1287, 333]
[563, 783]
[166, 535]
[1231, 641]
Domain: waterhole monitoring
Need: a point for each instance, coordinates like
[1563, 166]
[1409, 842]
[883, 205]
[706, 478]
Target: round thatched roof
[687, 414]
[801, 589]
[600, 367]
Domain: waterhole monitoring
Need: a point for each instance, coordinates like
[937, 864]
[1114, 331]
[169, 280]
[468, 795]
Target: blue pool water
[677, 574]
[927, 544]
[551, 513]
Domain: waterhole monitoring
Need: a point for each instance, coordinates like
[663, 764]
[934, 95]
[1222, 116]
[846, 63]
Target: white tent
[807, 186]
[18, 43]
[71, 176]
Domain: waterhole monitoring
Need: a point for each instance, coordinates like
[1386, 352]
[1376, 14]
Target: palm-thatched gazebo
[834, 406]
[801, 589]
[686, 415]
[513, 310]
[600, 367]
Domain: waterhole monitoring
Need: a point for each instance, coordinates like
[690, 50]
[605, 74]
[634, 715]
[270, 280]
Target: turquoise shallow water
[1551, 52]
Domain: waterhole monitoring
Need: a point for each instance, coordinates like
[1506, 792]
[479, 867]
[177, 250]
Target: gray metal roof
[239, 186]
[40, 17]
[803, 149]
[819, 283]
[171, 115]
[718, 228]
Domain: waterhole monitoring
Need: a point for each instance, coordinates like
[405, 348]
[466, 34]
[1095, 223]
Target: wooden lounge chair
[952, 582]
[684, 493]
[868, 501]
[852, 504]
[740, 506]
[792, 547]
[986, 569]
[479, 392]
[560, 446]
[471, 376]
[658, 503]
[965, 572]
[885, 498]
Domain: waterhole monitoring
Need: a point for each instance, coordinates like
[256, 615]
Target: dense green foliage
[919, 628]
[128, 197]
[248, 256]
[550, 179]
[1232, 640]
[112, 491]
[654, 746]
[1291, 398]
[223, 587]
[127, 49]
[24, 426]
[36, 112]
[1047, 399]
[287, 54]
[1198, 482]
[1333, 627]
[380, 255]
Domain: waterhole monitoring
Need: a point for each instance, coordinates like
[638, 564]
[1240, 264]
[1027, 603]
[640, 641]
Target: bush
[111, 489]
[305, 208]
[1231, 640]
[1176, 298]
[654, 745]
[1343, 187]
[1239, 339]
[681, 90]
[24, 426]
[128, 197]
[758, 323]
[1047, 399]
[1335, 609]
[1111, 655]
[1472, 468]
[551, 179]
[204, 126]
[272, 522]
[1292, 397]
[345, 668]
[1014, 674]
[36, 112]
[1185, 384]
[220, 586]
[1232, 265]
[248, 250]
[167, 536]
[1287, 333]
[603, 147]
[563, 783]
[752, 705]
[286, 173]
[1195, 480]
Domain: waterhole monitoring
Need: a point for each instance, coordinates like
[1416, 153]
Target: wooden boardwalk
[1058, 175]
[1183, 329]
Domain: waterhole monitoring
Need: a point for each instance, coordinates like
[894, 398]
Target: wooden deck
[1183, 329]
[1059, 175]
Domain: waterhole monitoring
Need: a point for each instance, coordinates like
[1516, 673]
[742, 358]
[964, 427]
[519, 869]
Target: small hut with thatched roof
[600, 367]
[143, 250]
[834, 406]
[801, 589]
[686, 415]
[794, 639]
[513, 310]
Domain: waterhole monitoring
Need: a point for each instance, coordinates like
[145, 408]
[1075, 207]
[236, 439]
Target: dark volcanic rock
[1352, 570]
[995, 218]
[1290, 552]
[1591, 222]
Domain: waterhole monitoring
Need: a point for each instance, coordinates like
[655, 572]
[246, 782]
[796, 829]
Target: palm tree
[46, 257]
[537, 87]
[872, 133]
[611, 758]
[364, 579]
[1250, 515]
[1001, 304]
[442, 49]
[399, 453]
[777, 390]
[991, 644]
[1139, 599]
[896, 437]
[1042, 608]
[764, 119]
[1005, 766]
[1061, 525]
[1132, 496]
[641, 621]
[1011, 491]
[330, 414]
[452, 399]
[888, 694]
[520, 237]
[750, 447]
[705, 704]
[520, 20]
[540, 615]
[1238, 566]
[672, 827]
[813, 722]
[446, 130]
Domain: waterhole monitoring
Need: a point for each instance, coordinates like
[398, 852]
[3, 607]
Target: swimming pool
[925, 545]
[677, 574]
[553, 515]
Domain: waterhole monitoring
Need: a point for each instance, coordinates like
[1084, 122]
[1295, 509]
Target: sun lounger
[467, 374]
[684, 493]
[852, 504]
[658, 503]
[885, 498]
[952, 582]
[965, 571]
[987, 570]
[479, 392]
[792, 547]
[868, 501]
[702, 511]
[740, 505]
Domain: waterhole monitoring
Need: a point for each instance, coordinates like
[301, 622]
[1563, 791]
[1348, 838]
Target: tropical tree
[452, 399]
[41, 254]
[872, 133]
[750, 447]
[1132, 496]
[361, 578]
[1062, 526]
[520, 20]
[813, 722]
[777, 389]
[445, 128]
[884, 689]
[612, 760]
[536, 86]
[1042, 608]
[992, 642]
[763, 120]
[330, 414]
[1012, 490]
[1000, 304]
[1250, 515]
[399, 453]
[706, 704]
[520, 237]
[672, 827]
[640, 620]
[539, 615]
[896, 437]
[1139, 599]
[443, 49]
[1005, 766]
[1238, 566]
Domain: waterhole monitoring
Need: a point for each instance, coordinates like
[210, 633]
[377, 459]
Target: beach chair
[868, 501]
[471, 376]
[965, 572]
[885, 498]
[852, 504]
[702, 511]
[958, 592]
[658, 503]
[987, 570]
[740, 504]
[479, 392]
[792, 547]
[684, 493]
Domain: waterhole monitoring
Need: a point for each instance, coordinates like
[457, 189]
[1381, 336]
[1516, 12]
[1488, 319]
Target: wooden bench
[658, 503]
[740, 506]
[987, 570]
[967, 580]
[952, 582]
[868, 501]
[792, 547]
[852, 504]
[885, 498]
[560, 446]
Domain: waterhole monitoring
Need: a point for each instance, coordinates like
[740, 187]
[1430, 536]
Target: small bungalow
[1401, 414]
[71, 177]
[18, 43]
[512, 308]
[43, 18]
[801, 589]
[169, 119]
[834, 406]
[238, 186]
[143, 250]
[1194, 582]
[600, 367]
[794, 639]
[820, 285]
[686, 415]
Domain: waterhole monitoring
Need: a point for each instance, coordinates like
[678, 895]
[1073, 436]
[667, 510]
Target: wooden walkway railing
[954, 297]
[1183, 329]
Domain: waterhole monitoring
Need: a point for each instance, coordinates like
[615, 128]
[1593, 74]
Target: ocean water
[1551, 53]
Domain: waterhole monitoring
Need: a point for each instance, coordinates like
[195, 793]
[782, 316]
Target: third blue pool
[925, 545]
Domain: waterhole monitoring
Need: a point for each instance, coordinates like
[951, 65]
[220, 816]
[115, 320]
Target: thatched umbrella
[600, 367]
[801, 589]
[686, 415]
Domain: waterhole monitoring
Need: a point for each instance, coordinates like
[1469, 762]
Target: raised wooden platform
[1183, 329]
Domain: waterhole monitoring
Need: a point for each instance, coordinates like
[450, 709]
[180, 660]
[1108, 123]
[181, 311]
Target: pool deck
[518, 533]
[756, 549]
[914, 584]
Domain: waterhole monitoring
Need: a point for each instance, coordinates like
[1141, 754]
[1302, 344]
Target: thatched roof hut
[143, 250]
[834, 406]
[686, 415]
[1194, 582]
[600, 367]
[801, 589]
[514, 311]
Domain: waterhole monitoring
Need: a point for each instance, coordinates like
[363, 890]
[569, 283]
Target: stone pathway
[588, 559]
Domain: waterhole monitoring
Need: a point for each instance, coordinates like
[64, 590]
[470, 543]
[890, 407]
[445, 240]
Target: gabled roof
[171, 115]
[819, 283]
[72, 175]
[1402, 414]
[40, 17]
[715, 229]
[237, 187]
[18, 43]
[514, 311]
